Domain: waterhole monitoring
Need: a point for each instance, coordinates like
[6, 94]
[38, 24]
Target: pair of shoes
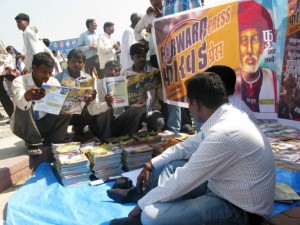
[186, 128]
[34, 150]
[124, 195]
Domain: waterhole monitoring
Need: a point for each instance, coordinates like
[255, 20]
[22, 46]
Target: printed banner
[239, 34]
[289, 100]
[64, 46]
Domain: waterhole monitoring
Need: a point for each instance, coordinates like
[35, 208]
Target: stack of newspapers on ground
[71, 163]
[105, 160]
[284, 140]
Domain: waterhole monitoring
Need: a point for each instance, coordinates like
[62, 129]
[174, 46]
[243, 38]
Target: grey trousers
[51, 128]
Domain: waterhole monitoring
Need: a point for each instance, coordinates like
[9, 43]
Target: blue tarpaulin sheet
[43, 200]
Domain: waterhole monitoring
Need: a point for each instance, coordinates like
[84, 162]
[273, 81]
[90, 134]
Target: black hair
[138, 48]
[227, 75]
[23, 16]
[134, 17]
[208, 89]
[76, 54]
[113, 63]
[9, 47]
[43, 58]
[46, 42]
[88, 22]
[107, 24]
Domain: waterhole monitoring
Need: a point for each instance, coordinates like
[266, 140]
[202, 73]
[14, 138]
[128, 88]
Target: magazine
[137, 84]
[117, 87]
[65, 100]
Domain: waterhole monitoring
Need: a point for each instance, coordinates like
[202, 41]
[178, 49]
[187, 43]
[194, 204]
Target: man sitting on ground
[108, 121]
[228, 77]
[152, 117]
[72, 76]
[224, 174]
[36, 127]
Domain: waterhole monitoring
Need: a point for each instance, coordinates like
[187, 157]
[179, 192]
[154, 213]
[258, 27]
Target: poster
[226, 34]
[64, 46]
[289, 96]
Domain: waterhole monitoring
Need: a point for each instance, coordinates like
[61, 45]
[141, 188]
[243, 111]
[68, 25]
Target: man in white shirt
[128, 39]
[224, 174]
[87, 43]
[108, 121]
[36, 127]
[32, 43]
[108, 48]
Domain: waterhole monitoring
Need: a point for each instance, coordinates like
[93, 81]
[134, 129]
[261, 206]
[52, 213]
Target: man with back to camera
[225, 174]
[87, 43]
[228, 77]
[258, 85]
[36, 127]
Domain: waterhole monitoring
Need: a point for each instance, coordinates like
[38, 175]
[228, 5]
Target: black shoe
[123, 195]
[187, 129]
[127, 221]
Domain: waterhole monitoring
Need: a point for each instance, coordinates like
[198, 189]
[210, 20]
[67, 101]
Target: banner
[239, 34]
[64, 46]
[289, 98]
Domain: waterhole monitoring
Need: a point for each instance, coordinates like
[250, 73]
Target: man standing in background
[107, 47]
[87, 43]
[31, 41]
[128, 39]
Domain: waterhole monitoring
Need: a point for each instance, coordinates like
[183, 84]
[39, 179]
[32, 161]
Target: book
[117, 87]
[285, 193]
[65, 100]
[137, 84]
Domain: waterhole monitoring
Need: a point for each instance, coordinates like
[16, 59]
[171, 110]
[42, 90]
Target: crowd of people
[225, 174]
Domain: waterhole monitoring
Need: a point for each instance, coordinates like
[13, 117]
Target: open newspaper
[65, 100]
[133, 92]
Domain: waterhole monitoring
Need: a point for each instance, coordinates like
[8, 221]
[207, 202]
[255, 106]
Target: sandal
[34, 150]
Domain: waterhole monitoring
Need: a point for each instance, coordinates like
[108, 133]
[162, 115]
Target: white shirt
[6, 59]
[127, 40]
[232, 154]
[106, 50]
[240, 104]
[87, 39]
[33, 45]
[141, 25]
[20, 85]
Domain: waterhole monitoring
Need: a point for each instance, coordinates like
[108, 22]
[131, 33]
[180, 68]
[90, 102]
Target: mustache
[250, 57]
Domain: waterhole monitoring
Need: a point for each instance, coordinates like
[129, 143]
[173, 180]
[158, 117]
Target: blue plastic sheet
[43, 200]
[291, 178]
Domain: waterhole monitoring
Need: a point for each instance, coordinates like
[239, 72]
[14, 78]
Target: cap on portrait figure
[252, 14]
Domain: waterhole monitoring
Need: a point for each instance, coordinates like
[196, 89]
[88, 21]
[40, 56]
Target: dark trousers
[4, 98]
[92, 63]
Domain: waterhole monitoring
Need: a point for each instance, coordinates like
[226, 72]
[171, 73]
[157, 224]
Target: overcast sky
[65, 19]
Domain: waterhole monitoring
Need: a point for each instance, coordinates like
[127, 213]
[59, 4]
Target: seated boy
[109, 121]
[34, 127]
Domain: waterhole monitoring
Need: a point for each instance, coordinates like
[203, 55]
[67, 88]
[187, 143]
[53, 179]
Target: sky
[65, 19]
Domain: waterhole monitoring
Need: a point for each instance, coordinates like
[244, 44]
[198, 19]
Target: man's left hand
[137, 211]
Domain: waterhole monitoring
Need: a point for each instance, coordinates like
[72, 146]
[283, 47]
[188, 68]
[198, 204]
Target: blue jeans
[200, 206]
[174, 118]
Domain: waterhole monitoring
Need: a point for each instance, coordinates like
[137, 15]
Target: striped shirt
[175, 6]
[232, 154]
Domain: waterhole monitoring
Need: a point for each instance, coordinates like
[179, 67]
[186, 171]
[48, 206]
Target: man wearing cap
[107, 47]
[258, 85]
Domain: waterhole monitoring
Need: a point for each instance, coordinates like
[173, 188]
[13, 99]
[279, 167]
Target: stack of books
[105, 160]
[135, 155]
[71, 164]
